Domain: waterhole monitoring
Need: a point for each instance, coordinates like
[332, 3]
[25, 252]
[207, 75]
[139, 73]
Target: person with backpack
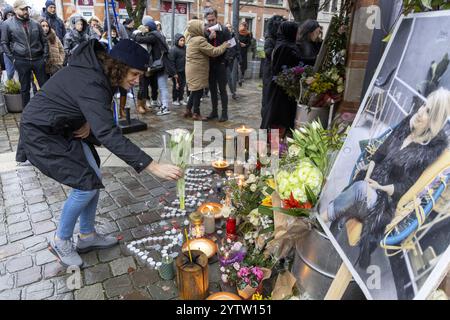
[159, 64]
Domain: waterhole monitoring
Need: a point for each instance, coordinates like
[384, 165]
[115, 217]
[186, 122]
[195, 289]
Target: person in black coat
[159, 50]
[407, 152]
[245, 40]
[53, 20]
[217, 34]
[62, 123]
[309, 41]
[281, 109]
[269, 44]
[177, 56]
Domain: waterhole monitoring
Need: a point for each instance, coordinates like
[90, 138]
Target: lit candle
[209, 220]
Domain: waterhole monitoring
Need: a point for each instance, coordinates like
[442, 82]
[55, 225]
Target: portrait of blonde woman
[412, 146]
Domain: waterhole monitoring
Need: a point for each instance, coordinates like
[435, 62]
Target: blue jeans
[163, 89]
[80, 204]
[355, 202]
[9, 66]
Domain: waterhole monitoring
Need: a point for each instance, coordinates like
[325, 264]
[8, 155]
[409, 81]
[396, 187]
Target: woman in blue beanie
[62, 123]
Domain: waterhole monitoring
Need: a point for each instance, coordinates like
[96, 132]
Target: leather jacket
[16, 43]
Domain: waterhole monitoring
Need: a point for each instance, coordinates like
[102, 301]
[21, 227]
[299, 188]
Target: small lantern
[197, 227]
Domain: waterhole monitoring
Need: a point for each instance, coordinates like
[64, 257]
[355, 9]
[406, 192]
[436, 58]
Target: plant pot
[249, 291]
[316, 264]
[3, 110]
[306, 115]
[14, 102]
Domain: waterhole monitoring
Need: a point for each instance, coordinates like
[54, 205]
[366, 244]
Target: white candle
[209, 221]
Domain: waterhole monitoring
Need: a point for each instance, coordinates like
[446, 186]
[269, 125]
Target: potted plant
[13, 98]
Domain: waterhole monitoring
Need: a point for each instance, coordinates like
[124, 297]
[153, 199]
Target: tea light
[220, 165]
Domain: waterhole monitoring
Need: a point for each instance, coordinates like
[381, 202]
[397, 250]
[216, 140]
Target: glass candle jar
[197, 226]
[231, 227]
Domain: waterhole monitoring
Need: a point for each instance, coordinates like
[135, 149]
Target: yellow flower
[257, 296]
[267, 201]
[271, 183]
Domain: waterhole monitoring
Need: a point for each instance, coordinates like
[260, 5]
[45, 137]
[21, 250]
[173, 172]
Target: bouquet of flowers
[293, 82]
[324, 88]
[231, 252]
[180, 151]
[299, 186]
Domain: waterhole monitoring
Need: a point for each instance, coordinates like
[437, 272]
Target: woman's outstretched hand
[165, 171]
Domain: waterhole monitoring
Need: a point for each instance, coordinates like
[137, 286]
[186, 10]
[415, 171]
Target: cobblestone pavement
[30, 207]
[31, 203]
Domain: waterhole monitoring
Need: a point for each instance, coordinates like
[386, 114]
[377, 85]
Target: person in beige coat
[197, 65]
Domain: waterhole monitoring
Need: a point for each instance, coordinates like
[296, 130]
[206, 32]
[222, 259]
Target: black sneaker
[223, 118]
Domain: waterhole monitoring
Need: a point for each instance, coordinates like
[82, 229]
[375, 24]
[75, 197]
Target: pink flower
[243, 272]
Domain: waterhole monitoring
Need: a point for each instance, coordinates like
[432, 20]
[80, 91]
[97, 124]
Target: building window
[330, 6]
[274, 2]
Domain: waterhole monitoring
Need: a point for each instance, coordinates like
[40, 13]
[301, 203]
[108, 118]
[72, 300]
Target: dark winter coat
[308, 51]
[159, 48]
[221, 37]
[56, 24]
[73, 37]
[281, 109]
[177, 55]
[247, 40]
[269, 44]
[17, 43]
[75, 95]
[401, 168]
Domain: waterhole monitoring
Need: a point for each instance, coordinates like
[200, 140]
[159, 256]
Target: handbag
[156, 65]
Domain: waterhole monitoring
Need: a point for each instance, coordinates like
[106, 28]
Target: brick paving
[31, 203]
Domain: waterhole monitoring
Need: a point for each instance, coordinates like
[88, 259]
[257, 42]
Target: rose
[251, 179]
[236, 266]
[294, 151]
[226, 211]
[236, 246]
[224, 278]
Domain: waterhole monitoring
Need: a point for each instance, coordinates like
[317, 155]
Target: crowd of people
[200, 62]
[287, 45]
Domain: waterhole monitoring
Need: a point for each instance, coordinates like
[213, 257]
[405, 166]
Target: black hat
[131, 54]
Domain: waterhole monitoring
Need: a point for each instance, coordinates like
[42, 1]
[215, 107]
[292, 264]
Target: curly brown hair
[115, 70]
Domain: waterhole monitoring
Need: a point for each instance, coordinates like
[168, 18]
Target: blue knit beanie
[49, 3]
[151, 25]
[131, 54]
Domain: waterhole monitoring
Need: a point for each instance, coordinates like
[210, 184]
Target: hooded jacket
[178, 54]
[74, 37]
[77, 94]
[198, 53]
[55, 23]
[17, 43]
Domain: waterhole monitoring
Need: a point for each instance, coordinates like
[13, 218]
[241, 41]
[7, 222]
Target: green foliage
[425, 5]
[11, 87]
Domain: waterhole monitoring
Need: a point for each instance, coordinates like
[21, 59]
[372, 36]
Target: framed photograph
[386, 203]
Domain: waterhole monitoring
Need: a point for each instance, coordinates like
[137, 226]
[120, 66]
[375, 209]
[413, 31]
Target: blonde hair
[439, 104]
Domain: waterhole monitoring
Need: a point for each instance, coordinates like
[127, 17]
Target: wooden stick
[188, 244]
[339, 284]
